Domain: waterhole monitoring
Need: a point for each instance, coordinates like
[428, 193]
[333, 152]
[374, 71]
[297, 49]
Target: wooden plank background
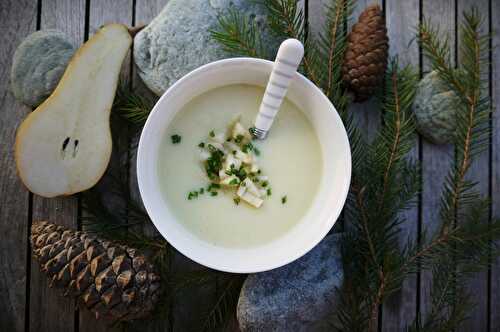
[28, 305]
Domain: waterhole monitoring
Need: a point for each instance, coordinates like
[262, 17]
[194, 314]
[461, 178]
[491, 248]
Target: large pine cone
[111, 280]
[366, 55]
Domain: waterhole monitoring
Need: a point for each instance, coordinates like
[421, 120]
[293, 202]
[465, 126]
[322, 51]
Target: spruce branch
[286, 20]
[224, 306]
[333, 43]
[239, 35]
[130, 105]
[462, 246]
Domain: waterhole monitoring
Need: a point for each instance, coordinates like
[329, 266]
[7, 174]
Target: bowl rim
[141, 168]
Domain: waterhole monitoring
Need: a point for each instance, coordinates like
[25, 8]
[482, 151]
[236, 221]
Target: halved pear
[64, 146]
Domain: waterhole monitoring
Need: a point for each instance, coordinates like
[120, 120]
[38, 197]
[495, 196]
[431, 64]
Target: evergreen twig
[239, 35]
[131, 106]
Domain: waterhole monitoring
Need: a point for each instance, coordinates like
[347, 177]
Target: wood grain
[494, 318]
[103, 12]
[436, 159]
[479, 171]
[17, 20]
[49, 310]
[401, 18]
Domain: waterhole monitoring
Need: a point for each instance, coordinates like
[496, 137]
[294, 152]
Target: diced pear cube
[238, 130]
[251, 199]
[230, 160]
[241, 190]
[254, 168]
[251, 188]
[222, 174]
[218, 146]
[244, 157]
[232, 181]
[231, 146]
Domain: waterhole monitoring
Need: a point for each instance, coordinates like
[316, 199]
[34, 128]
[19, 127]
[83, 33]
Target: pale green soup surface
[290, 156]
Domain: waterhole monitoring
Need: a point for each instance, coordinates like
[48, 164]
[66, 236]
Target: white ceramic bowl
[326, 206]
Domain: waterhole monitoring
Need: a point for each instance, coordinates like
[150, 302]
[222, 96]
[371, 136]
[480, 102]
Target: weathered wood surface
[69, 18]
[494, 303]
[18, 19]
[26, 302]
[436, 160]
[479, 172]
[401, 19]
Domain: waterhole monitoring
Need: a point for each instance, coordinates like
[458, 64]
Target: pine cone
[112, 280]
[366, 55]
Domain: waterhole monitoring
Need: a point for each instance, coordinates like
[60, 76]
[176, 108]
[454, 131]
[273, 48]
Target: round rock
[38, 64]
[178, 40]
[300, 296]
[435, 109]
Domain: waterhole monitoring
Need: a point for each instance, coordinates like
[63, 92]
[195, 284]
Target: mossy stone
[38, 65]
[435, 108]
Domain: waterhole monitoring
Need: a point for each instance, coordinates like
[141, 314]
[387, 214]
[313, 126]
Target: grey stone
[300, 296]
[38, 64]
[435, 109]
[178, 40]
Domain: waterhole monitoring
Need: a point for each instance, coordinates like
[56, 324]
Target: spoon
[286, 63]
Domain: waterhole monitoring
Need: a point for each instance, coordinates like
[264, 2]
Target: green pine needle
[239, 35]
[131, 106]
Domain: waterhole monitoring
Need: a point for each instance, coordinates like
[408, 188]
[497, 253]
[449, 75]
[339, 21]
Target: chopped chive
[239, 139]
[201, 145]
[233, 181]
[259, 171]
[212, 133]
[192, 194]
[228, 139]
[256, 151]
[234, 152]
[202, 191]
[229, 172]
[213, 193]
[283, 199]
[269, 192]
[176, 139]
[264, 184]
[236, 200]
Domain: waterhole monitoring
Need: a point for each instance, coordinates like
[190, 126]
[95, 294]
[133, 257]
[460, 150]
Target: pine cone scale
[365, 59]
[111, 280]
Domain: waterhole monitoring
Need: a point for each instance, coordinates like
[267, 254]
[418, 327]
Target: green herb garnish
[213, 186]
[201, 145]
[176, 139]
[192, 194]
[264, 184]
[283, 199]
[213, 193]
[212, 133]
[247, 147]
[269, 192]
[256, 151]
[202, 191]
[239, 139]
[236, 200]
[233, 182]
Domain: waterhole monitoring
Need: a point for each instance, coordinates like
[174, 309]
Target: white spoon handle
[285, 66]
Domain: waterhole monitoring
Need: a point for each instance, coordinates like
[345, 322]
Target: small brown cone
[113, 281]
[366, 55]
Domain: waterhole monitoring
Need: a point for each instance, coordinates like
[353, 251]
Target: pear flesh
[64, 146]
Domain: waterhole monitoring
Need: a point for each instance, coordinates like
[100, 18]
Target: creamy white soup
[290, 157]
